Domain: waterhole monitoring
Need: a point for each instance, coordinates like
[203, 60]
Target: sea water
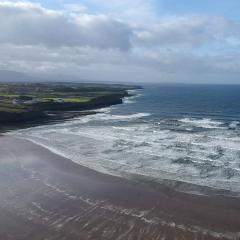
[187, 133]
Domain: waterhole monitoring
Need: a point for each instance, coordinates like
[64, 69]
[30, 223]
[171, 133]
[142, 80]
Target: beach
[119, 120]
[46, 196]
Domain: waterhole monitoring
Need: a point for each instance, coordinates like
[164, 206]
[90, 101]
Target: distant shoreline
[12, 121]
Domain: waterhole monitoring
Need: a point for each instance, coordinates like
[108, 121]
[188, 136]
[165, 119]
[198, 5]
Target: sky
[191, 41]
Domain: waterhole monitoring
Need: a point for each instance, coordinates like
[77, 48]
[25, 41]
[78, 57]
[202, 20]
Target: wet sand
[45, 196]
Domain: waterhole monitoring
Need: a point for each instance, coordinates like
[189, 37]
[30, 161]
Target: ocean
[186, 133]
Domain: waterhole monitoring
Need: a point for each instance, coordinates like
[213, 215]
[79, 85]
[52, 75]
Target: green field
[48, 93]
[22, 101]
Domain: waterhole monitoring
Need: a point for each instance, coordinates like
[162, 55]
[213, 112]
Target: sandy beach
[45, 196]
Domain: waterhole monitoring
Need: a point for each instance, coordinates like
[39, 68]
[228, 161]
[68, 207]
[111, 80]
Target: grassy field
[8, 106]
[76, 99]
[52, 93]
[20, 101]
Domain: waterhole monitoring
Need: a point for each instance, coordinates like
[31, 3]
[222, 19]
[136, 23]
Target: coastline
[60, 112]
[53, 117]
[56, 117]
[46, 195]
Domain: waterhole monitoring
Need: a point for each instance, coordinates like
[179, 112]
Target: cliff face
[15, 117]
[40, 109]
[98, 102]
[24, 103]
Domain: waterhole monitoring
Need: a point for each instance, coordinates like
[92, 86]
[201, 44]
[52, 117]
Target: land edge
[35, 118]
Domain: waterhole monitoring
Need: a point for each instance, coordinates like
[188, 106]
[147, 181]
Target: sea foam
[200, 151]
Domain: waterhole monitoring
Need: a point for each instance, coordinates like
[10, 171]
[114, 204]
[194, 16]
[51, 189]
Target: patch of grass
[77, 99]
[44, 94]
[6, 105]
[74, 99]
[12, 109]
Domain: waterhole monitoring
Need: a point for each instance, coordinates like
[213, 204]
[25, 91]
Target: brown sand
[46, 197]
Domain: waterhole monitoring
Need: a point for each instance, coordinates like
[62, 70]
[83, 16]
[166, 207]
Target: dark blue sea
[184, 133]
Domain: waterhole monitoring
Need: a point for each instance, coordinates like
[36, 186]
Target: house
[59, 100]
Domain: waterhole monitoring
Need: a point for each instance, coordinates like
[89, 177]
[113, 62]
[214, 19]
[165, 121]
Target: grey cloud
[192, 49]
[188, 32]
[28, 24]
[108, 65]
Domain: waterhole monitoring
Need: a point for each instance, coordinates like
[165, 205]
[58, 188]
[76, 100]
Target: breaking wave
[201, 151]
[202, 123]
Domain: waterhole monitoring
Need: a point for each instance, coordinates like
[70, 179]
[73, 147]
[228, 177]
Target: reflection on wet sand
[44, 196]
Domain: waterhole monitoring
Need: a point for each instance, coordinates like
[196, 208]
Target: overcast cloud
[118, 41]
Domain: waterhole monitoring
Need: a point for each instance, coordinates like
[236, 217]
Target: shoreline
[176, 185]
[47, 188]
[62, 113]
[154, 183]
[58, 117]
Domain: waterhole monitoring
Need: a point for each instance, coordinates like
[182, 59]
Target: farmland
[25, 102]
